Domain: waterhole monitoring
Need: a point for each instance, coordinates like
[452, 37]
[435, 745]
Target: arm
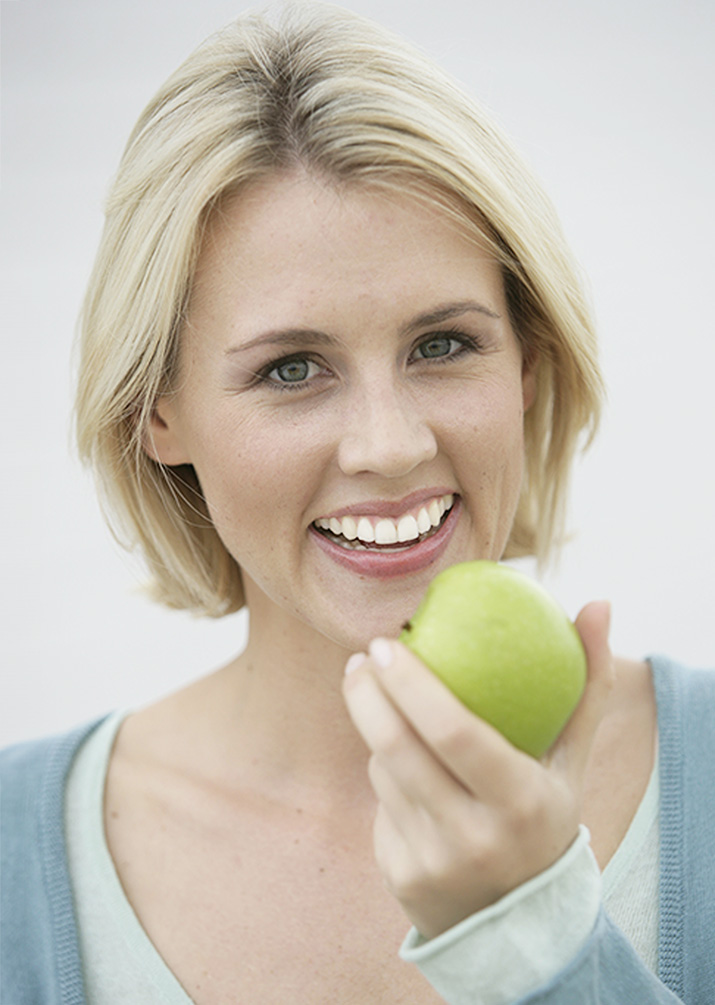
[464, 818]
[537, 949]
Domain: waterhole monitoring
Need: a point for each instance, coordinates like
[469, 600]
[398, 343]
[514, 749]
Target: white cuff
[499, 954]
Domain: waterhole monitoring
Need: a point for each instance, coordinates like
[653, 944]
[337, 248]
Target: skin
[373, 423]
[374, 797]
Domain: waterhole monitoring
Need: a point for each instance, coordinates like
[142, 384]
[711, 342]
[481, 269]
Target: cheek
[503, 436]
[489, 419]
[485, 438]
[252, 475]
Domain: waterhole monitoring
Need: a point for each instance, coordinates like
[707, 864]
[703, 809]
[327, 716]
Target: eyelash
[467, 344]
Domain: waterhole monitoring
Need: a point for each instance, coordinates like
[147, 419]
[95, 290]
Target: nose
[385, 432]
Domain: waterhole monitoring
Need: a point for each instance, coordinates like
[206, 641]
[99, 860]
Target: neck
[277, 716]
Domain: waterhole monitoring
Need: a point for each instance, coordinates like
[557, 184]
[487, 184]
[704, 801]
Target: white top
[120, 963]
[630, 880]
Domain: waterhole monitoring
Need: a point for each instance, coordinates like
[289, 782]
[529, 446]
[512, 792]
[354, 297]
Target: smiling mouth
[367, 533]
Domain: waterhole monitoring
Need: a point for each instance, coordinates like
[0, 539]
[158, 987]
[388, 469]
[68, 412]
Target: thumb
[593, 624]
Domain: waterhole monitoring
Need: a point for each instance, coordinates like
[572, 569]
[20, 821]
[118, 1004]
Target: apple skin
[505, 647]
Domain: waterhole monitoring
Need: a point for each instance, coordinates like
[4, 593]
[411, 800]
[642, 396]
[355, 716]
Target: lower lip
[387, 564]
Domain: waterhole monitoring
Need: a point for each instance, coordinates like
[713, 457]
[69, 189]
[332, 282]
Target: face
[351, 395]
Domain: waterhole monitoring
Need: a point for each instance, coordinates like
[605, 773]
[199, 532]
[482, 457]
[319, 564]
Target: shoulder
[685, 695]
[34, 762]
[685, 700]
[32, 781]
[35, 892]
[686, 738]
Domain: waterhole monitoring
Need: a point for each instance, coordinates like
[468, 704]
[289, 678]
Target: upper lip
[393, 508]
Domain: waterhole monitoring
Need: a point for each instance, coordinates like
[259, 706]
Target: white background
[612, 103]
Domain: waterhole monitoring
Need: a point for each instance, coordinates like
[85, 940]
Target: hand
[463, 817]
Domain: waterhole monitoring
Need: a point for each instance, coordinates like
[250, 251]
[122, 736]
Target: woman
[334, 343]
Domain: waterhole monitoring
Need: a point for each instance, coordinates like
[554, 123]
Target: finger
[475, 753]
[371, 710]
[400, 751]
[574, 745]
[407, 815]
[393, 850]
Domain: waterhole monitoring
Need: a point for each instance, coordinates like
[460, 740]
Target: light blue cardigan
[39, 954]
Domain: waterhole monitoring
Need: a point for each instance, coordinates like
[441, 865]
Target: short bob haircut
[323, 90]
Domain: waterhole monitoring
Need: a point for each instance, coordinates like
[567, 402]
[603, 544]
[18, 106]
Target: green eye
[293, 371]
[440, 345]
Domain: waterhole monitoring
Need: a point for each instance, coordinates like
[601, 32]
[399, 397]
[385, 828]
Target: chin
[367, 629]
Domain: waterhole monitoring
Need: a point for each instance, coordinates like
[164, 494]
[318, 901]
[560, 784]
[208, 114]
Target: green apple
[504, 646]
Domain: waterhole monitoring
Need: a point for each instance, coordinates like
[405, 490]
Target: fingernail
[381, 652]
[354, 662]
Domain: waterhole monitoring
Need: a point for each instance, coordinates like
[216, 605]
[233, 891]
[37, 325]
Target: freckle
[298, 809]
[322, 869]
[114, 815]
[296, 841]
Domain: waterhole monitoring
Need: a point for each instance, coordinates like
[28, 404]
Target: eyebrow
[310, 336]
[444, 313]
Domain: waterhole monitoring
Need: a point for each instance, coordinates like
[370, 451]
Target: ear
[163, 440]
[528, 379]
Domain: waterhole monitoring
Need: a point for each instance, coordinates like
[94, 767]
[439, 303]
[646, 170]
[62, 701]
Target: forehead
[297, 242]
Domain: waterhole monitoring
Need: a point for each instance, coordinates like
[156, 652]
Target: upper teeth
[383, 530]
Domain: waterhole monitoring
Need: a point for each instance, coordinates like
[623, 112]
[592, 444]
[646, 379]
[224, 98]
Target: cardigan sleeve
[606, 970]
[520, 941]
[548, 942]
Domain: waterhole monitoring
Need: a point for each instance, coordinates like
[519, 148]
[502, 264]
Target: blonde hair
[328, 91]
